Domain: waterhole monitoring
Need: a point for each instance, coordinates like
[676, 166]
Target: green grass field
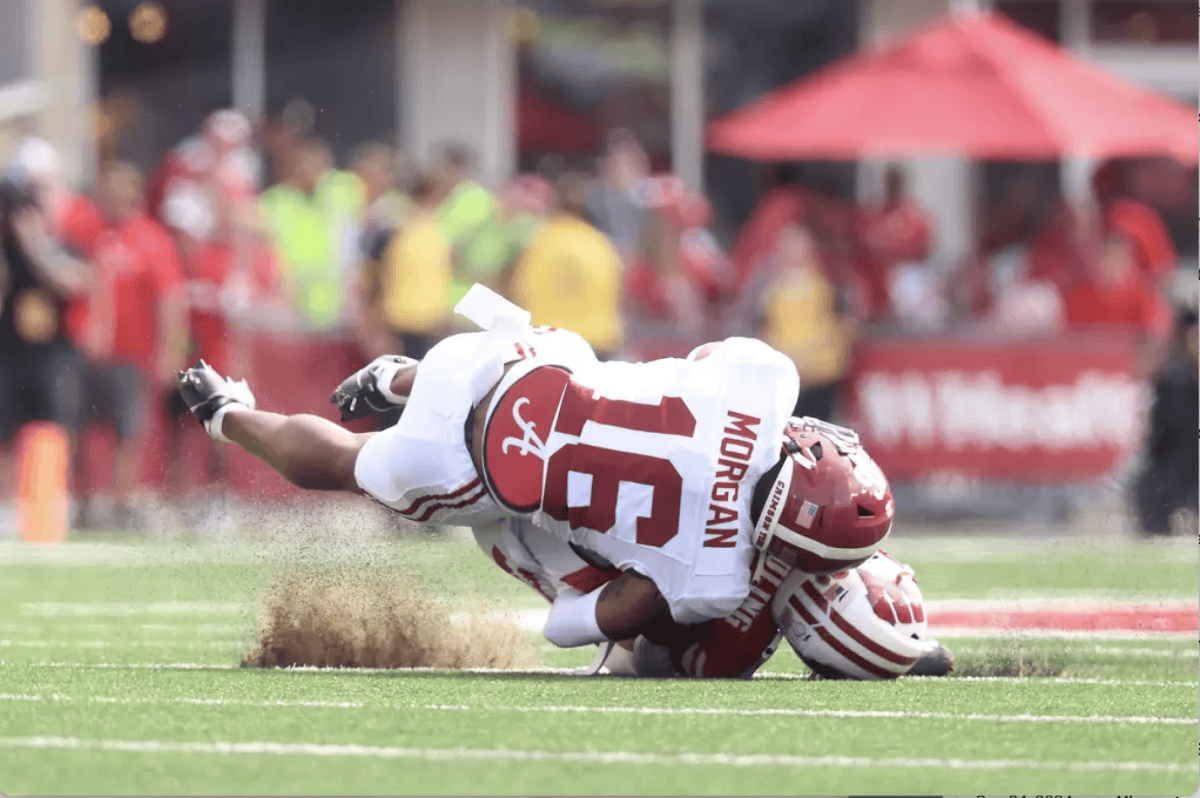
[118, 675]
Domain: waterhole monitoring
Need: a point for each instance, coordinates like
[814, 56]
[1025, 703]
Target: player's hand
[208, 395]
[369, 390]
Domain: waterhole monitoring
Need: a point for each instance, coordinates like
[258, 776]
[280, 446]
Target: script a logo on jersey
[529, 442]
[514, 448]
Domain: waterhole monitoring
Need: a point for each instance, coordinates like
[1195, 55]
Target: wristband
[383, 381]
[572, 620]
[214, 424]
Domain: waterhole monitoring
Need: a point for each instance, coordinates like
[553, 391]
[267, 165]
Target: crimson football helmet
[830, 505]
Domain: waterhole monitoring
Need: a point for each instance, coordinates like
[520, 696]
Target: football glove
[209, 396]
[369, 390]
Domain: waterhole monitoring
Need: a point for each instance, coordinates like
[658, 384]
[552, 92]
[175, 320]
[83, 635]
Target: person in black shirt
[40, 370]
[1167, 485]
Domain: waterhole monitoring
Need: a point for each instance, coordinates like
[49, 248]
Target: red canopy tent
[978, 85]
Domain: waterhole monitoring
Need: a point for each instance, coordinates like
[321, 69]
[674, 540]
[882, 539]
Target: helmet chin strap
[768, 519]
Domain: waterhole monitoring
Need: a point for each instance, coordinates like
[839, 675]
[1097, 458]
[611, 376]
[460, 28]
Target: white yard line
[133, 608]
[557, 709]
[790, 676]
[124, 643]
[135, 666]
[121, 627]
[588, 757]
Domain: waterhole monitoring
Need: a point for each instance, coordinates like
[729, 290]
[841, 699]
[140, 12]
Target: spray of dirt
[1014, 657]
[366, 617]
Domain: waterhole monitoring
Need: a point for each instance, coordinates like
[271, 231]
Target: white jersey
[649, 466]
[421, 468]
[538, 558]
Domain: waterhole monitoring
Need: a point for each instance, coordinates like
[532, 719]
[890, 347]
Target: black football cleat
[938, 661]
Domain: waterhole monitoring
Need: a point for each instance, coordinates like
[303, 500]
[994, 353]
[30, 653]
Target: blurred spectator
[1114, 294]
[829, 218]
[661, 301]
[613, 203]
[1066, 249]
[217, 163]
[679, 278]
[1153, 251]
[136, 327]
[416, 276]
[570, 274]
[464, 208]
[282, 134]
[229, 271]
[802, 315]
[1168, 481]
[786, 202]
[313, 216]
[520, 209]
[375, 164]
[41, 372]
[377, 167]
[891, 235]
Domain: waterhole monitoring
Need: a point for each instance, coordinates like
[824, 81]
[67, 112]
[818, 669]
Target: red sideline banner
[1063, 409]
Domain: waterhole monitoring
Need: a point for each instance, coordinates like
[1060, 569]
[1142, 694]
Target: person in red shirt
[133, 328]
[1115, 295]
[785, 203]
[1153, 252]
[1065, 250]
[678, 278]
[890, 234]
[228, 268]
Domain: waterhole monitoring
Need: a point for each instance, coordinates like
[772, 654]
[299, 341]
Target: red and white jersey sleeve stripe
[421, 468]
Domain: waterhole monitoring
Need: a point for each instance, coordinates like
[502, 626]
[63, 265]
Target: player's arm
[308, 451]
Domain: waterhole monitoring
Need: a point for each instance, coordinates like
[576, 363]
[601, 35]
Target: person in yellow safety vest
[570, 274]
[314, 216]
[416, 276]
[467, 212]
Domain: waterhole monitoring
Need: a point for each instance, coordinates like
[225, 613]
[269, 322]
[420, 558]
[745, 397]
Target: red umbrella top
[978, 85]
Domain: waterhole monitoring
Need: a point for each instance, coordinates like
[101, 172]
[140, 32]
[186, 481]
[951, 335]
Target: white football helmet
[865, 623]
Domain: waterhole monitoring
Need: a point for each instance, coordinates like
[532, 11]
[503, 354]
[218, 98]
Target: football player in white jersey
[672, 472]
[863, 623]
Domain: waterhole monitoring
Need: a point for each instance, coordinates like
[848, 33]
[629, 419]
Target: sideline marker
[42, 452]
